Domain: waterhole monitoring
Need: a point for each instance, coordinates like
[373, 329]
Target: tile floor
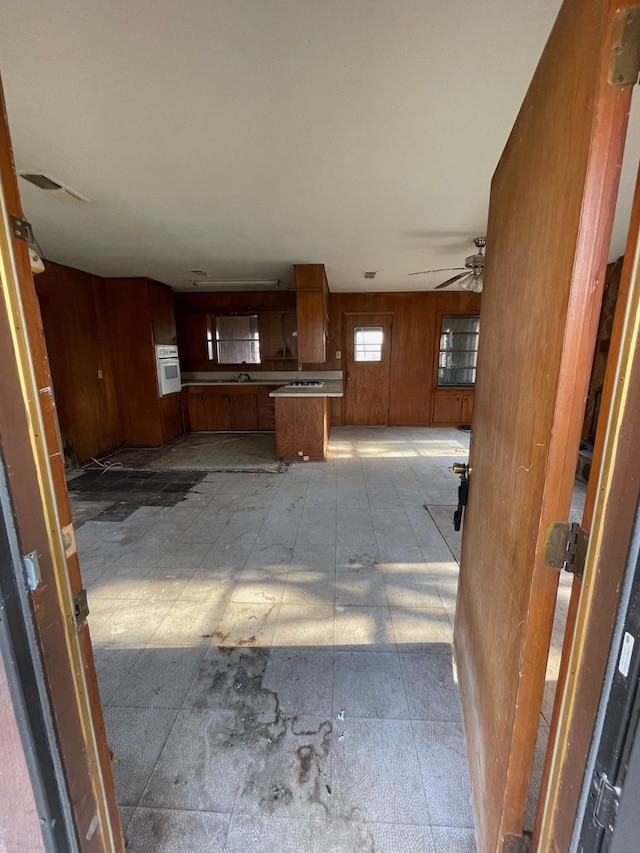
[274, 655]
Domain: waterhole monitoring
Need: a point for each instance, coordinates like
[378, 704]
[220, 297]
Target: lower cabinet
[452, 407]
[210, 409]
[302, 427]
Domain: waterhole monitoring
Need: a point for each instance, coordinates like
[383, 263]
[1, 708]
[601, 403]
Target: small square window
[367, 343]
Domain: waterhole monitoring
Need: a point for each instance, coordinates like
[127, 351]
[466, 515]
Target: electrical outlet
[305, 458]
[300, 453]
[338, 355]
[100, 375]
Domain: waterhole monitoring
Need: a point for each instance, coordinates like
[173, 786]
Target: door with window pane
[367, 356]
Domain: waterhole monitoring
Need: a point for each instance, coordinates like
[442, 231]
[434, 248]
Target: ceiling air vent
[51, 185]
[369, 274]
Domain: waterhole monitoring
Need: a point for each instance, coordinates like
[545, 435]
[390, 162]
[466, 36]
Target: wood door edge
[617, 392]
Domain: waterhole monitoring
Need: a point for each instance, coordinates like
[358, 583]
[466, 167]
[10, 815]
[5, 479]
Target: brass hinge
[624, 61]
[565, 547]
[80, 608]
[607, 802]
[21, 228]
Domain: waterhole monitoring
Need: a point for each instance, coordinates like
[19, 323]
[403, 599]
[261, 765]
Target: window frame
[217, 340]
[440, 351]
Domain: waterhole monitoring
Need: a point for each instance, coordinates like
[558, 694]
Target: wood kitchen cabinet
[278, 335]
[452, 407]
[312, 310]
[229, 408]
[141, 315]
[302, 427]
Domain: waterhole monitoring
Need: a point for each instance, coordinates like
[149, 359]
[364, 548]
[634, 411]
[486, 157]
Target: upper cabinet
[278, 335]
[312, 309]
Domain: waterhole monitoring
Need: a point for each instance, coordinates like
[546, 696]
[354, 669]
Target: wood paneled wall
[413, 347]
[73, 308]
[194, 311]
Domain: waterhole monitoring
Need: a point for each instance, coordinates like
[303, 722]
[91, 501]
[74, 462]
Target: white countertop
[329, 388]
[331, 379]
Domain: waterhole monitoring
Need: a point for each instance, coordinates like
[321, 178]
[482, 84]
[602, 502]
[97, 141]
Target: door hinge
[21, 228]
[624, 60]
[80, 608]
[565, 547]
[32, 573]
[607, 802]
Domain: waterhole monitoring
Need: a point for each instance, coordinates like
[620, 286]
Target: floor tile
[160, 678]
[310, 586]
[273, 558]
[288, 772]
[426, 630]
[367, 629]
[189, 623]
[246, 625]
[375, 770]
[209, 585]
[133, 623]
[307, 556]
[136, 737]
[369, 684]
[167, 830]
[232, 679]
[226, 557]
[304, 625]
[451, 839]
[201, 765]
[302, 680]
[431, 687]
[361, 588]
[258, 586]
[445, 775]
[112, 667]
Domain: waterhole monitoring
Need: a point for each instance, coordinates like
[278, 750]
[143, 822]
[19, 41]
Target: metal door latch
[80, 608]
[463, 492]
[607, 802]
[565, 547]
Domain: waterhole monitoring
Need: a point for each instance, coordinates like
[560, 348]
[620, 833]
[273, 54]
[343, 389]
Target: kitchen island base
[302, 428]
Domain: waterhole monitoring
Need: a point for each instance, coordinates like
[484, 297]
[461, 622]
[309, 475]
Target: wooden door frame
[612, 497]
[30, 445]
[344, 351]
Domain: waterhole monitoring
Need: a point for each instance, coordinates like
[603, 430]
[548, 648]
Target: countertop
[330, 388]
[332, 380]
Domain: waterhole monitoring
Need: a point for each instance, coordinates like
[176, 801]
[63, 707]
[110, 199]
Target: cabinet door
[447, 409]
[163, 317]
[271, 344]
[217, 411]
[266, 411]
[290, 334]
[244, 412]
[311, 327]
[197, 416]
[467, 408]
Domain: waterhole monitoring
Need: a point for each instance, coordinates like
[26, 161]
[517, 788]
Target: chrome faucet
[243, 377]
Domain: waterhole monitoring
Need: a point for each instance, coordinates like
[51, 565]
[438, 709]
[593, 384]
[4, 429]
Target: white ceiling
[242, 136]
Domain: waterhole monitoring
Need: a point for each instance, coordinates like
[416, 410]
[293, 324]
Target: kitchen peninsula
[293, 403]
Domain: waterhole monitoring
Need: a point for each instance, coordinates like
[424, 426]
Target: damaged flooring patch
[274, 656]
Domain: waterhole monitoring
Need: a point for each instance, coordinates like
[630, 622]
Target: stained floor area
[274, 655]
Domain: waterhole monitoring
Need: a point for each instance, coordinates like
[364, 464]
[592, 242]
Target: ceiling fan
[471, 278]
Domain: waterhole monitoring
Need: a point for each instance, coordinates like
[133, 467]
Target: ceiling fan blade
[444, 269]
[452, 280]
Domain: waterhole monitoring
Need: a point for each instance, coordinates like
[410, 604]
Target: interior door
[367, 348]
[550, 215]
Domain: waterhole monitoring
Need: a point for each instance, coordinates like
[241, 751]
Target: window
[458, 349]
[367, 343]
[238, 340]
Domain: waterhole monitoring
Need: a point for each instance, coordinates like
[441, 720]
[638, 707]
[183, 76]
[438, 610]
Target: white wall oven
[168, 368]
